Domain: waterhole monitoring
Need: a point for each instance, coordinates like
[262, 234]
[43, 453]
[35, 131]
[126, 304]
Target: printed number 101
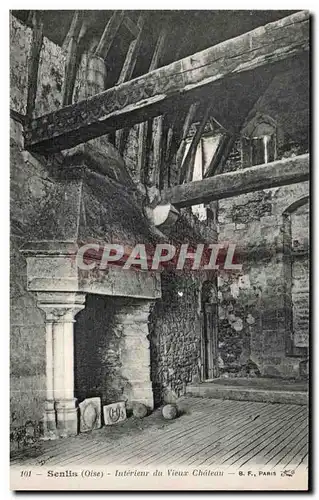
[25, 473]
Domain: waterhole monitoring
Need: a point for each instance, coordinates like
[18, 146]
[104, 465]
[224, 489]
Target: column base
[49, 421]
[67, 418]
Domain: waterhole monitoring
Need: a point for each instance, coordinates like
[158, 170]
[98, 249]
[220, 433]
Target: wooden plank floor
[209, 432]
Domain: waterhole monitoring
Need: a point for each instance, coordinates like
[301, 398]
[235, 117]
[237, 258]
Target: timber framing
[151, 94]
[33, 59]
[270, 175]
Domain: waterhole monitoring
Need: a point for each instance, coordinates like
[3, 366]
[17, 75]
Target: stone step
[213, 390]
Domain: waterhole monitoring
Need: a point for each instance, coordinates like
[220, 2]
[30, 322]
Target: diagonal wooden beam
[165, 149]
[187, 169]
[171, 123]
[275, 174]
[159, 49]
[109, 34]
[74, 29]
[157, 127]
[151, 94]
[34, 59]
[131, 26]
[189, 118]
[217, 156]
[156, 152]
[126, 74]
[173, 136]
[132, 54]
[70, 46]
[179, 132]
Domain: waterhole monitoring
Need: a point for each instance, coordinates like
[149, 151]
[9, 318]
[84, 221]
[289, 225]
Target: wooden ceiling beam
[270, 175]
[153, 93]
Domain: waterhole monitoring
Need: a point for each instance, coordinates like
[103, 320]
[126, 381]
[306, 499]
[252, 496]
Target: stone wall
[175, 335]
[50, 71]
[112, 358]
[50, 78]
[97, 350]
[299, 235]
[253, 307]
[20, 42]
[30, 187]
[254, 312]
[33, 185]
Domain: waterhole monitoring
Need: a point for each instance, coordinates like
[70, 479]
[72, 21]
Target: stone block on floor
[90, 414]
[114, 413]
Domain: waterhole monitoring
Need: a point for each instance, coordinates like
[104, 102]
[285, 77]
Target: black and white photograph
[159, 249]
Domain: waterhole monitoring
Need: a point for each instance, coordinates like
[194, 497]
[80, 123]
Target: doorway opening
[209, 317]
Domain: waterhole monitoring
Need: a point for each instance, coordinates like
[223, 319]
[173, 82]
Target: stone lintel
[49, 248]
[60, 273]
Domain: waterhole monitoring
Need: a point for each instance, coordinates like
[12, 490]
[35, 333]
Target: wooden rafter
[156, 157]
[187, 169]
[167, 138]
[157, 126]
[34, 58]
[211, 169]
[70, 46]
[189, 118]
[131, 26]
[132, 54]
[171, 133]
[179, 131]
[74, 29]
[275, 174]
[126, 74]
[109, 34]
[151, 94]
[159, 49]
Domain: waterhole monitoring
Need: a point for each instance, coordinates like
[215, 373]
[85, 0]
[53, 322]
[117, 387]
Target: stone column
[60, 418]
[135, 352]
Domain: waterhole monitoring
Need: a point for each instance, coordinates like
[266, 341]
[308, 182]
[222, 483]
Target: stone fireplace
[89, 206]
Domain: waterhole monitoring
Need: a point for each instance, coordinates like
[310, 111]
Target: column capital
[61, 307]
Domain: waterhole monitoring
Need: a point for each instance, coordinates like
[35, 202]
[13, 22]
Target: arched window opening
[259, 141]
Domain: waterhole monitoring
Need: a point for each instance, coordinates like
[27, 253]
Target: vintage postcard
[159, 249]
